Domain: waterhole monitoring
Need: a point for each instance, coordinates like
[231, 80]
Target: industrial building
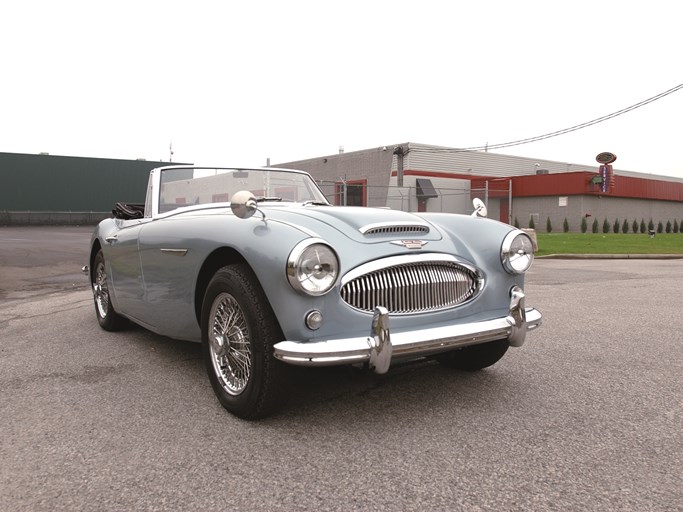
[420, 177]
[49, 189]
[46, 189]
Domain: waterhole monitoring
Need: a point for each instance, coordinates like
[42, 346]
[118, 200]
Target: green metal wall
[47, 183]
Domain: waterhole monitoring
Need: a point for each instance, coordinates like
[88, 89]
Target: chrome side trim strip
[175, 252]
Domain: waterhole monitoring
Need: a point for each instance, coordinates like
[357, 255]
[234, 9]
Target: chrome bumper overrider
[380, 346]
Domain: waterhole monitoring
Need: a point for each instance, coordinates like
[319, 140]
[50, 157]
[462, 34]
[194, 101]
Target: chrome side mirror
[479, 208]
[243, 204]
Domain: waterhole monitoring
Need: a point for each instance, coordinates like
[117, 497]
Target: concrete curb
[612, 256]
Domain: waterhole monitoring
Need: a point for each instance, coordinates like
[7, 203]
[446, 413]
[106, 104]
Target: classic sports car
[261, 269]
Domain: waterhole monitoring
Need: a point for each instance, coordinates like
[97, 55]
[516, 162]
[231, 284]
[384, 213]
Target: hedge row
[615, 227]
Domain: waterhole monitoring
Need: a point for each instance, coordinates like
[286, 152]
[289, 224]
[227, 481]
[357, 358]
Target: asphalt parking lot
[37, 260]
[587, 415]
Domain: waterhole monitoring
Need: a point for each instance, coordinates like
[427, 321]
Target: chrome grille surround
[386, 228]
[412, 284]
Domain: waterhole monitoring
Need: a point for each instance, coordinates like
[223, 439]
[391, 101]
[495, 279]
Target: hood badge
[410, 244]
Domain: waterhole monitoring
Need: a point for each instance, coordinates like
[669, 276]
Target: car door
[122, 254]
[170, 256]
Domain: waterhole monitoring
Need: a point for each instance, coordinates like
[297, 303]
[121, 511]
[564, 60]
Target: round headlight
[517, 252]
[312, 267]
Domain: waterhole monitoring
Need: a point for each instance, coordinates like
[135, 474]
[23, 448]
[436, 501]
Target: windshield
[184, 186]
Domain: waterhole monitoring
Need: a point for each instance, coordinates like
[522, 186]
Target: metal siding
[373, 165]
[480, 163]
[431, 160]
[626, 186]
[551, 184]
[580, 184]
[44, 183]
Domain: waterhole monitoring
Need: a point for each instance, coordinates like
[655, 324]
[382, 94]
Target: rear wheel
[239, 330]
[107, 317]
[475, 357]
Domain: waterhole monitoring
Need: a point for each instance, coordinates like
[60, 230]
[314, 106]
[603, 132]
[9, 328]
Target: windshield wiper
[314, 203]
[275, 199]
[261, 199]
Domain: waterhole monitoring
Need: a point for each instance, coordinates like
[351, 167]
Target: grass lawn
[609, 243]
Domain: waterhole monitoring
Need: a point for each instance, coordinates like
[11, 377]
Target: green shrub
[643, 228]
[532, 224]
[548, 226]
[516, 223]
[675, 226]
[595, 226]
[605, 226]
[635, 226]
[668, 226]
[584, 225]
[624, 226]
[660, 227]
[650, 226]
[616, 226]
[565, 226]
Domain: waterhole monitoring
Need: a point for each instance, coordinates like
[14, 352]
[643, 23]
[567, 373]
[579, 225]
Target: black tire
[107, 317]
[475, 357]
[239, 330]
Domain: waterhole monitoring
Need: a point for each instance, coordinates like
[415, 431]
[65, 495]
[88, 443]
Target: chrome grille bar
[413, 287]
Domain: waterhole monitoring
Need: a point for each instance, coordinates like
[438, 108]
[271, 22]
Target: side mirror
[243, 204]
[479, 208]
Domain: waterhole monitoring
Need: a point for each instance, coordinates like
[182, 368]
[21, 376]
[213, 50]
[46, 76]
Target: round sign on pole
[606, 157]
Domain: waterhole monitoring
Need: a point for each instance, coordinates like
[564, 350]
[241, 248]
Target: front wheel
[475, 357]
[107, 317]
[239, 330]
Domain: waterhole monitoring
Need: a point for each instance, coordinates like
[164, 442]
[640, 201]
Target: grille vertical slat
[413, 287]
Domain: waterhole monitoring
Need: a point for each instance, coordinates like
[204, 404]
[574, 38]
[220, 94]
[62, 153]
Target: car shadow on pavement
[324, 391]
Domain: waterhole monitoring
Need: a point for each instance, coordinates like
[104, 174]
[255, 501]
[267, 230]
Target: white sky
[237, 82]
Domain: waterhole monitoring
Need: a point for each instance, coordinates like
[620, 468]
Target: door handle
[111, 239]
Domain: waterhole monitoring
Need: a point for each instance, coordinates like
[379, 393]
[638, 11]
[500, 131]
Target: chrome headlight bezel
[517, 252]
[315, 281]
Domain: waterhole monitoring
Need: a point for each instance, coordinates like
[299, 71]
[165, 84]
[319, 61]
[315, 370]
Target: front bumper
[380, 347]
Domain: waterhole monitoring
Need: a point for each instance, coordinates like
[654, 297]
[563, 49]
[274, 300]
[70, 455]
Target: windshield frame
[213, 187]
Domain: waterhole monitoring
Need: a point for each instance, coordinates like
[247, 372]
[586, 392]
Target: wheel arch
[96, 247]
[217, 259]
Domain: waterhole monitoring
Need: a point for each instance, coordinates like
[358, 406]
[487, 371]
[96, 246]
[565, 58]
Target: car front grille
[413, 287]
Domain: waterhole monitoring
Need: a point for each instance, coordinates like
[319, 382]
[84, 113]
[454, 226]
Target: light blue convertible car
[261, 269]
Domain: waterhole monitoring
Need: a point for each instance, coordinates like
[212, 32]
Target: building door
[356, 193]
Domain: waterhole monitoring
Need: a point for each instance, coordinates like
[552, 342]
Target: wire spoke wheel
[230, 344]
[100, 289]
[239, 330]
[107, 317]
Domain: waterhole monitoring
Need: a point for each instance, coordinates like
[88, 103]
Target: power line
[558, 132]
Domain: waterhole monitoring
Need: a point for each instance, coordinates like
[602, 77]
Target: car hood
[362, 224]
